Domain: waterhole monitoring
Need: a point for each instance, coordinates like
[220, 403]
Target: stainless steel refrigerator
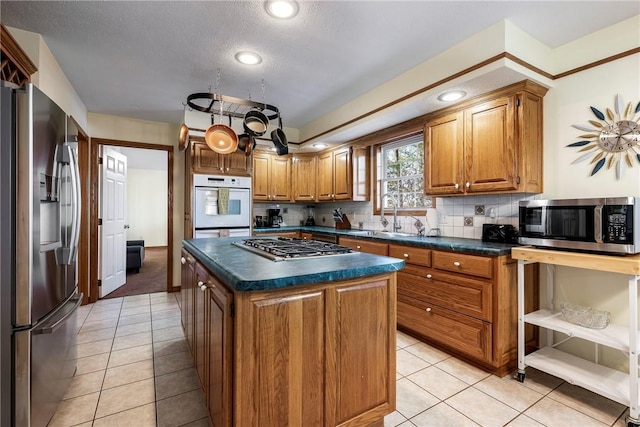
[39, 229]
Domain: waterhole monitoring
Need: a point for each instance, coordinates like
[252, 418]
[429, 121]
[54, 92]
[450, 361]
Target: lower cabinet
[207, 321]
[318, 356]
[464, 303]
[315, 355]
[367, 246]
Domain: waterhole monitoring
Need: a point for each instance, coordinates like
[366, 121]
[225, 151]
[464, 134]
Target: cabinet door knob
[429, 276]
[358, 247]
[428, 309]
[468, 184]
[456, 263]
[183, 260]
[203, 287]
[227, 169]
[457, 186]
[405, 255]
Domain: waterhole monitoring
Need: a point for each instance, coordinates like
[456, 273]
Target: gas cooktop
[286, 248]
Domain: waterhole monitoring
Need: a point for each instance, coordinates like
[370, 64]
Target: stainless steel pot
[279, 139]
[255, 123]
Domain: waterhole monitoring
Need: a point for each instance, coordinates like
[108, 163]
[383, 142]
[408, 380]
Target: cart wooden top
[623, 264]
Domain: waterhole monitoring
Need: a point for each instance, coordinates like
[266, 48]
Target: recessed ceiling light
[452, 95]
[281, 9]
[249, 58]
[319, 145]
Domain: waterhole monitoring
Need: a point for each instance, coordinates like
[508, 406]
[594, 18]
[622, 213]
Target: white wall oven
[221, 206]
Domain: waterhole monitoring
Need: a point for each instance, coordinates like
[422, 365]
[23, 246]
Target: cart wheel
[520, 378]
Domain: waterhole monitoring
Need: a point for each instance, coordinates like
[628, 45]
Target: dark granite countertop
[243, 270]
[456, 244]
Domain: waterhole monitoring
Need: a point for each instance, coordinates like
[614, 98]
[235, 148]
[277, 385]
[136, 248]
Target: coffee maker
[275, 219]
[310, 216]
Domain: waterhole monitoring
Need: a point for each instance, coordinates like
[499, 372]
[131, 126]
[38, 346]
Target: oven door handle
[597, 223]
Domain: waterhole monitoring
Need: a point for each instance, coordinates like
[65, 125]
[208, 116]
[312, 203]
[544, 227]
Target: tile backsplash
[455, 216]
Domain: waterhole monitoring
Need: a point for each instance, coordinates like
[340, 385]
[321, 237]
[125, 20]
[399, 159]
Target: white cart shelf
[615, 385]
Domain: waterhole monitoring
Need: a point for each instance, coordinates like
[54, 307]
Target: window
[401, 178]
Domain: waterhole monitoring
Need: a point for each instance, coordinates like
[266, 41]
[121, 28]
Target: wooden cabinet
[366, 246]
[464, 303]
[219, 351]
[186, 294]
[306, 236]
[314, 357]
[206, 161]
[271, 177]
[343, 174]
[305, 170]
[489, 145]
[321, 355]
[207, 308]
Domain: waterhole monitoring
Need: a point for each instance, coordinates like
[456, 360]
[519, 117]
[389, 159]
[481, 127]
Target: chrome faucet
[383, 220]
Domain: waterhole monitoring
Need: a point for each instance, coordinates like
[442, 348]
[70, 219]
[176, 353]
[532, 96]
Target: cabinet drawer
[365, 246]
[411, 255]
[468, 296]
[463, 263]
[459, 332]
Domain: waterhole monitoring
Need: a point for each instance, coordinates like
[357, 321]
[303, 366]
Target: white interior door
[113, 208]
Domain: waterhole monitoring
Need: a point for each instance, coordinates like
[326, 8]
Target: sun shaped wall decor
[613, 140]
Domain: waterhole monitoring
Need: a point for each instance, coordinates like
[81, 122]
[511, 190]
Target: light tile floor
[134, 369]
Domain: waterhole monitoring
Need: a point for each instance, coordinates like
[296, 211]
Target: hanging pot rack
[207, 102]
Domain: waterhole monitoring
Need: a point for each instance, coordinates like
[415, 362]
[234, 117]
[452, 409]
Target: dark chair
[135, 255]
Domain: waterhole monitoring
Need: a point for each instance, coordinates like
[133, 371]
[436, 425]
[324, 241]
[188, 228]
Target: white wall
[147, 206]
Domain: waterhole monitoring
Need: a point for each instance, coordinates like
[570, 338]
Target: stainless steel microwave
[600, 225]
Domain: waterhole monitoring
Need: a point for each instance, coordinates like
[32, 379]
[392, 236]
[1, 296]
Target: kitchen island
[300, 342]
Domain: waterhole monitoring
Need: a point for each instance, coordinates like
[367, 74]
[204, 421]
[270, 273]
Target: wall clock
[613, 140]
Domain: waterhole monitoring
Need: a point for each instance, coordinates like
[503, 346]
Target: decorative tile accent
[468, 221]
[479, 209]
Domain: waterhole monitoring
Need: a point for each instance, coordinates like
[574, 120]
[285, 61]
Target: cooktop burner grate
[286, 248]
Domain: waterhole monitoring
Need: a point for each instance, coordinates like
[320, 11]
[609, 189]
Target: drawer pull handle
[428, 309]
[405, 255]
[183, 260]
[429, 276]
[457, 263]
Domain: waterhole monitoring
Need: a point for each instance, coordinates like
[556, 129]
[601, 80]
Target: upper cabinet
[343, 174]
[271, 177]
[206, 161]
[492, 144]
[305, 170]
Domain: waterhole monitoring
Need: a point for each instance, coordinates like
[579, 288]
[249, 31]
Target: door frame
[95, 154]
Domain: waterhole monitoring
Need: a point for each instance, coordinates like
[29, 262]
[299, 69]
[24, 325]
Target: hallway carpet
[151, 278]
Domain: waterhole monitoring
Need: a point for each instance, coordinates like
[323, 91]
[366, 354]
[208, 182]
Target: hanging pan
[183, 137]
[255, 123]
[246, 143]
[279, 139]
[221, 138]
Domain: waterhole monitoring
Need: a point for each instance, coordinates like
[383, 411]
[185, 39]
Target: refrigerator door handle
[75, 179]
[68, 157]
[49, 329]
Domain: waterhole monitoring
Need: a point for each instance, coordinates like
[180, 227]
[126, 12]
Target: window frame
[377, 168]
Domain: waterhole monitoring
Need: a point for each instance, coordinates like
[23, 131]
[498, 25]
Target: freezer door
[41, 386]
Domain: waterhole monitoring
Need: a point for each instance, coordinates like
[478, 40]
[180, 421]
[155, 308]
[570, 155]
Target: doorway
[159, 256]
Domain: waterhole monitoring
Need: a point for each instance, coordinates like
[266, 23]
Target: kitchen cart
[615, 385]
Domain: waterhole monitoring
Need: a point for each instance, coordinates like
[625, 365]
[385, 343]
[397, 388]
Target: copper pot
[183, 137]
[246, 143]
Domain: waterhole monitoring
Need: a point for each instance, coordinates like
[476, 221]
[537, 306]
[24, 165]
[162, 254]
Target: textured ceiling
[141, 59]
